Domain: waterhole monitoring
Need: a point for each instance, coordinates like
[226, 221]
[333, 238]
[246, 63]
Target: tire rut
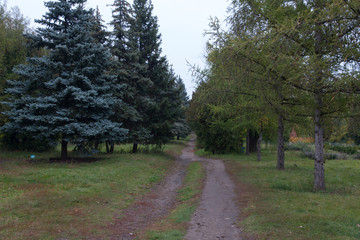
[153, 206]
[217, 214]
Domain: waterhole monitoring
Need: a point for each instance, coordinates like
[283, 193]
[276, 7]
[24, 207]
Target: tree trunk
[254, 136]
[64, 151]
[107, 147]
[96, 143]
[248, 142]
[259, 141]
[135, 148]
[178, 137]
[112, 148]
[319, 176]
[281, 153]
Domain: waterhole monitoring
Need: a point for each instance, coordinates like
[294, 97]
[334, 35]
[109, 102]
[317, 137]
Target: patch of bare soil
[217, 214]
[153, 206]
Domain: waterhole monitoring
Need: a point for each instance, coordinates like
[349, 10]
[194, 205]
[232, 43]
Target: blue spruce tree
[66, 94]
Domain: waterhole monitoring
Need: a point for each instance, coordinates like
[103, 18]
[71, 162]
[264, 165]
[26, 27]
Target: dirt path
[217, 213]
[215, 217]
[152, 206]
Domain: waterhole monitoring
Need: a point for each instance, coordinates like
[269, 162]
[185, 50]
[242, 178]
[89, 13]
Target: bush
[343, 148]
[328, 156]
[298, 146]
[24, 142]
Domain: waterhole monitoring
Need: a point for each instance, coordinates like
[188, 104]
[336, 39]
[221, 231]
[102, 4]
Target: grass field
[45, 200]
[281, 204]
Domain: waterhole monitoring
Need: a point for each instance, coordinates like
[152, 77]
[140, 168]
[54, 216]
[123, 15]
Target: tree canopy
[297, 60]
[66, 94]
[90, 86]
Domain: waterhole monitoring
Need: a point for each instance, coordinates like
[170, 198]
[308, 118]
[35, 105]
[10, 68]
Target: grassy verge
[175, 225]
[281, 205]
[45, 200]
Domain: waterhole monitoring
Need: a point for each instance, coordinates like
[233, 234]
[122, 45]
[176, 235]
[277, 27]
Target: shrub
[343, 148]
[24, 142]
[298, 146]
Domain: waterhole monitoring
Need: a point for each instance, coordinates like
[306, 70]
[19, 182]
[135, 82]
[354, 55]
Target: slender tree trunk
[178, 137]
[248, 142]
[259, 141]
[135, 148]
[64, 151]
[96, 143]
[254, 136]
[112, 148]
[319, 176]
[107, 147]
[281, 153]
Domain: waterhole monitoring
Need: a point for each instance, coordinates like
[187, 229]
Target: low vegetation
[282, 204]
[44, 200]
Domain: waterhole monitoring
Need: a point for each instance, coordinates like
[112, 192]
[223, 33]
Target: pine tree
[180, 128]
[67, 94]
[160, 116]
[99, 32]
[131, 73]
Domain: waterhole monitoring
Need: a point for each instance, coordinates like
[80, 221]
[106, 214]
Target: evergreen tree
[99, 32]
[161, 115]
[67, 94]
[131, 73]
[180, 128]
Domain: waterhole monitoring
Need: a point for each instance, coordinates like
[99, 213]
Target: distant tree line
[83, 85]
[280, 64]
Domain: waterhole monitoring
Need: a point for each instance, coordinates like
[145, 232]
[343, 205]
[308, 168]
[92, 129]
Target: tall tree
[67, 94]
[99, 33]
[323, 36]
[161, 114]
[132, 74]
[181, 129]
[12, 46]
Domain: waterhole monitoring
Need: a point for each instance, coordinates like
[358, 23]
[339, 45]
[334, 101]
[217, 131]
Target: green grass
[45, 200]
[175, 225]
[282, 205]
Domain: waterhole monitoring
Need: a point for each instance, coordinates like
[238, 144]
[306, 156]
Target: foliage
[152, 100]
[343, 148]
[12, 47]
[66, 94]
[130, 73]
[295, 59]
[214, 125]
[180, 128]
[24, 142]
[301, 139]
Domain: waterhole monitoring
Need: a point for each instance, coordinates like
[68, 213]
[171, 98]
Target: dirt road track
[215, 217]
[217, 214]
[153, 206]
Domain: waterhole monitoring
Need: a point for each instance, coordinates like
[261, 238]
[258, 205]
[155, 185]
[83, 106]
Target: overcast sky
[182, 26]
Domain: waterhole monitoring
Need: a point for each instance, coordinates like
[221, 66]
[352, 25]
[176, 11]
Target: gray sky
[182, 25]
